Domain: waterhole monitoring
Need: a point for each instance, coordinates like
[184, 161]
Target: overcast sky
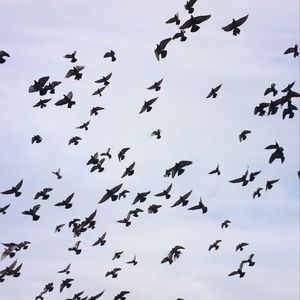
[37, 34]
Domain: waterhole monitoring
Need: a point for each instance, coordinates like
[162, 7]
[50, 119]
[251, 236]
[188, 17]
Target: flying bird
[193, 22]
[125, 220]
[238, 271]
[36, 139]
[293, 50]
[249, 261]
[200, 205]
[101, 240]
[67, 100]
[104, 79]
[233, 26]
[2, 55]
[65, 270]
[260, 109]
[277, 154]
[43, 194]
[240, 246]
[75, 72]
[156, 85]
[93, 160]
[14, 189]
[225, 224]
[98, 166]
[67, 202]
[38, 85]
[71, 56]
[122, 152]
[160, 51]
[271, 89]
[147, 105]
[66, 283]
[123, 194]
[270, 183]
[141, 197]
[94, 110]
[175, 19]
[99, 91]
[84, 125]
[189, 6]
[243, 135]
[183, 200]
[51, 87]
[288, 87]
[111, 194]
[289, 111]
[156, 133]
[213, 92]
[3, 209]
[110, 54]
[129, 171]
[42, 103]
[253, 175]
[181, 35]
[57, 173]
[215, 245]
[113, 273]
[32, 212]
[165, 193]
[74, 140]
[257, 192]
[121, 295]
[178, 168]
[75, 248]
[215, 171]
[153, 208]
[107, 153]
[59, 227]
[242, 179]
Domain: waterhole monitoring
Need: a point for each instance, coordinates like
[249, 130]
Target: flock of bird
[96, 162]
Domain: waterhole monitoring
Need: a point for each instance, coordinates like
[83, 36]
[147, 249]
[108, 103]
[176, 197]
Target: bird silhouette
[38, 85]
[43, 194]
[59, 227]
[66, 283]
[270, 183]
[240, 246]
[243, 135]
[57, 173]
[14, 189]
[141, 197]
[260, 109]
[65, 270]
[32, 212]
[67, 202]
[42, 103]
[213, 92]
[121, 295]
[104, 79]
[84, 125]
[67, 100]
[107, 153]
[178, 168]
[277, 154]
[165, 193]
[225, 224]
[111, 194]
[257, 192]
[156, 85]
[233, 26]
[129, 171]
[183, 200]
[200, 205]
[74, 140]
[75, 248]
[2, 55]
[36, 139]
[75, 72]
[110, 54]
[215, 171]
[71, 56]
[101, 240]
[99, 91]
[271, 89]
[249, 261]
[4, 209]
[242, 179]
[215, 245]
[113, 272]
[189, 6]
[147, 105]
[239, 271]
[94, 110]
[98, 166]
[156, 133]
[122, 152]
[181, 35]
[153, 208]
[193, 22]
[293, 50]
[160, 51]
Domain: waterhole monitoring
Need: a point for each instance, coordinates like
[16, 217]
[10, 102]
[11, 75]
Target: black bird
[42, 103]
[277, 154]
[117, 255]
[38, 85]
[174, 253]
[260, 109]
[65, 270]
[93, 160]
[215, 171]
[181, 35]
[165, 193]
[58, 227]
[288, 88]
[289, 111]
[75, 72]
[66, 203]
[121, 295]
[72, 56]
[213, 92]
[156, 133]
[253, 175]
[153, 209]
[293, 50]
[156, 85]
[271, 90]
[75, 248]
[249, 261]
[84, 125]
[104, 79]
[129, 171]
[66, 283]
[94, 110]
[121, 154]
[57, 173]
[243, 135]
[123, 194]
[98, 166]
[67, 100]
[257, 192]
[36, 139]
[111, 193]
[238, 271]
[140, 197]
[32, 212]
[2, 55]
[51, 86]
[174, 19]
[193, 22]
[200, 205]
[135, 212]
[125, 220]
[101, 240]
[242, 179]
[225, 224]
[160, 48]
[183, 200]
[147, 105]
[110, 54]
[233, 26]
[270, 183]
[107, 153]
[74, 140]
[178, 168]
[241, 246]
[113, 272]
[77, 296]
[43, 193]
[3, 209]
[14, 189]
[189, 6]
[99, 91]
[215, 245]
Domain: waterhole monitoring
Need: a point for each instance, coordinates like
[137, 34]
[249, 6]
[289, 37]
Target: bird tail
[236, 31]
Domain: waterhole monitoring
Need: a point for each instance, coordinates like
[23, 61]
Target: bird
[110, 54]
[156, 85]
[93, 160]
[75, 248]
[38, 85]
[123, 194]
[242, 179]
[270, 183]
[36, 139]
[117, 255]
[72, 56]
[277, 154]
[111, 194]
[84, 125]
[213, 92]
[57, 173]
[288, 87]
[257, 192]
[65, 270]
[181, 35]
[113, 272]
[101, 240]
[122, 152]
[125, 221]
[147, 105]
[253, 175]
[74, 140]
[233, 26]
[140, 197]
[153, 208]
[156, 133]
[183, 200]
[43, 193]
[238, 271]
[165, 193]
[121, 295]
[104, 79]
[189, 6]
[160, 51]
[75, 72]
[260, 109]
[99, 91]
[173, 254]
[66, 203]
[67, 100]
[289, 111]
[215, 245]
[135, 212]
[215, 171]
[66, 283]
[2, 55]
[250, 262]
[225, 224]
[129, 171]
[193, 22]
[107, 153]
[271, 89]
[3, 209]
[50, 87]
[42, 103]
[293, 50]
[14, 189]
[32, 212]
[94, 110]
[175, 19]
[200, 205]
[178, 168]
[240, 246]
[98, 166]
[243, 135]
[58, 227]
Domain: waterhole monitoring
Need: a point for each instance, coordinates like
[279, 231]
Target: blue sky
[37, 35]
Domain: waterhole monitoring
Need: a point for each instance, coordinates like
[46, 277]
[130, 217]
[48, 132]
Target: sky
[206, 131]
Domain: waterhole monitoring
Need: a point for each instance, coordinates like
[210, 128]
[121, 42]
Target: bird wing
[228, 27]
[108, 76]
[237, 180]
[79, 68]
[61, 102]
[42, 81]
[184, 163]
[70, 73]
[18, 186]
[201, 19]
[185, 196]
[289, 50]
[233, 273]
[241, 21]
[186, 24]
[164, 42]
[36, 208]
[116, 188]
